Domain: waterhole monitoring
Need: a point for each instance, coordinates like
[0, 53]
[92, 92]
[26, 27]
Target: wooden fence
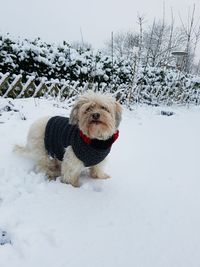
[15, 88]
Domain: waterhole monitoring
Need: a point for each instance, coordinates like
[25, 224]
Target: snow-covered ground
[146, 215]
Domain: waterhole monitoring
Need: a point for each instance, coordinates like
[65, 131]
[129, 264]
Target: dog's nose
[95, 116]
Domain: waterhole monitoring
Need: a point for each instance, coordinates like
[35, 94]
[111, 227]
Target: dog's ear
[73, 118]
[118, 113]
[74, 115]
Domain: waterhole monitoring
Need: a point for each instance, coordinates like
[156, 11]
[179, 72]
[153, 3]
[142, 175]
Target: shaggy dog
[65, 146]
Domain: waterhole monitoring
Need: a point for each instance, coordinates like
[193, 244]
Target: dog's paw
[74, 183]
[99, 175]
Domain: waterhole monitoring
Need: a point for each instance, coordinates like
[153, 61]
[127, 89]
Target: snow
[147, 214]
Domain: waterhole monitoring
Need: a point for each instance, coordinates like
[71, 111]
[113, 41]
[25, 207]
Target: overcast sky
[58, 20]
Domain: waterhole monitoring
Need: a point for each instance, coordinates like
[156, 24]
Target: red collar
[100, 143]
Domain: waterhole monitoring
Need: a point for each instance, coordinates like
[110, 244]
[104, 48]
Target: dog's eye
[105, 108]
[88, 109]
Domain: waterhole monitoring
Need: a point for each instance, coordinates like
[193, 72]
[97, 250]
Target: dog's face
[97, 116]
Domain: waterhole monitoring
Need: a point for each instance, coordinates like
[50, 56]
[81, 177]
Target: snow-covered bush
[39, 59]
[75, 70]
[156, 85]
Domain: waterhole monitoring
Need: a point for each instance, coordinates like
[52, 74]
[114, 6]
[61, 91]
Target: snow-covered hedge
[79, 69]
[39, 59]
[155, 85]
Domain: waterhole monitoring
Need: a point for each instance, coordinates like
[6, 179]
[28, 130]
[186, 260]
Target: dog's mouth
[96, 122]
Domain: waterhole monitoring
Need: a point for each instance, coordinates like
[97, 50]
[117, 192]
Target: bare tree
[191, 30]
[140, 45]
[123, 44]
[81, 45]
[159, 41]
[170, 41]
[153, 46]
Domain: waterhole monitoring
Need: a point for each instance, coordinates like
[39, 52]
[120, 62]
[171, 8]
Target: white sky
[58, 20]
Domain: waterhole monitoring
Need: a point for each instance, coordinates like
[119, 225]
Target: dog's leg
[71, 168]
[97, 172]
[50, 167]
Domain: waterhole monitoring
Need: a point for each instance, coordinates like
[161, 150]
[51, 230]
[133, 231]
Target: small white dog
[65, 146]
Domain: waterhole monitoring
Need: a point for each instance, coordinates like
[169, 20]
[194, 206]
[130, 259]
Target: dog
[65, 146]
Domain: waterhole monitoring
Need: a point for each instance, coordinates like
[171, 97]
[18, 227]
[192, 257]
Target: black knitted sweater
[59, 134]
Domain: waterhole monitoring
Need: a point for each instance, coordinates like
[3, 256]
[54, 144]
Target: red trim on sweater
[88, 141]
